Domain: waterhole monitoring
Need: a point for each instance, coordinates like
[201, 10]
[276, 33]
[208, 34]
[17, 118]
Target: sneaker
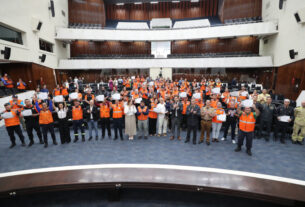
[233, 141]
[223, 139]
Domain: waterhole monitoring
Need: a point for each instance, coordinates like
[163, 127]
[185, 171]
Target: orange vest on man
[117, 111]
[152, 114]
[9, 84]
[104, 111]
[214, 104]
[64, 92]
[16, 106]
[45, 117]
[12, 121]
[142, 117]
[247, 122]
[56, 92]
[185, 104]
[77, 113]
[21, 86]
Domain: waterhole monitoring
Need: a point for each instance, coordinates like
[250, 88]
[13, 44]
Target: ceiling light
[175, 1]
[154, 2]
[120, 4]
[138, 3]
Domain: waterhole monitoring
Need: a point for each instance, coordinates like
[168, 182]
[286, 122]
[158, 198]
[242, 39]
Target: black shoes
[96, 138]
[75, 140]
[45, 145]
[145, 137]
[90, 138]
[238, 149]
[194, 142]
[186, 141]
[282, 141]
[201, 141]
[23, 144]
[83, 139]
[249, 152]
[208, 143]
[54, 142]
[12, 145]
[300, 143]
[41, 142]
[31, 143]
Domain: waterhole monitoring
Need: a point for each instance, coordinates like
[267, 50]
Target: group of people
[8, 83]
[149, 108]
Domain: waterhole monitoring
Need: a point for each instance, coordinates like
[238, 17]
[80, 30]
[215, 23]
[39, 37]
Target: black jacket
[94, 112]
[192, 119]
[179, 110]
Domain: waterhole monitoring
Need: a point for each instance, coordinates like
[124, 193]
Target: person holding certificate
[217, 121]
[63, 125]
[31, 117]
[12, 124]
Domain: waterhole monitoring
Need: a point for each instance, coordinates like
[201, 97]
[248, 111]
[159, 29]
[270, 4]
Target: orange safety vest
[104, 111]
[86, 97]
[152, 114]
[214, 104]
[21, 86]
[117, 111]
[242, 97]
[45, 117]
[16, 106]
[142, 117]
[218, 112]
[185, 105]
[56, 92]
[12, 121]
[10, 84]
[225, 95]
[247, 122]
[230, 105]
[218, 85]
[77, 113]
[64, 92]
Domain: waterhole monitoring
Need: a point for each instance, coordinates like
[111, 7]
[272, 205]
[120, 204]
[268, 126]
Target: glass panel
[10, 35]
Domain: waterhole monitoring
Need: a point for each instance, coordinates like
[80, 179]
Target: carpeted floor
[273, 158]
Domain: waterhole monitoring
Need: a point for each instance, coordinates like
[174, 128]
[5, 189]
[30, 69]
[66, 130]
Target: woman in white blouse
[63, 124]
[130, 119]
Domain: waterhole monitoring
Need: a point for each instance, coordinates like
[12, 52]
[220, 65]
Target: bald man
[299, 125]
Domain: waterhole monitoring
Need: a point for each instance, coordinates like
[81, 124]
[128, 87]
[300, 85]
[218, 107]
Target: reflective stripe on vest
[247, 123]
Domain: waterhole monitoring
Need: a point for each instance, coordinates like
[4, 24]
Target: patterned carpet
[273, 158]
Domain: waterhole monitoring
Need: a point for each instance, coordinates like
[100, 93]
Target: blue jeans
[92, 125]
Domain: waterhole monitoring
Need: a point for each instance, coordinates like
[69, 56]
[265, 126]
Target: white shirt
[161, 109]
[91, 115]
[61, 113]
[130, 110]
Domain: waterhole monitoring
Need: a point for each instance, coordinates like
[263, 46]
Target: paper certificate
[73, 96]
[284, 118]
[43, 96]
[138, 100]
[245, 93]
[247, 103]
[58, 99]
[100, 98]
[216, 90]
[116, 96]
[183, 95]
[197, 96]
[7, 115]
[222, 117]
[27, 112]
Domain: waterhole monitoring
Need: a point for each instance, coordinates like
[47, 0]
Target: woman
[130, 119]
[217, 122]
[63, 124]
[153, 117]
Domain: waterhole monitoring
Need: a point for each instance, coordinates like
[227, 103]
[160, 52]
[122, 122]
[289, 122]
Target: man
[185, 104]
[44, 89]
[231, 121]
[299, 125]
[214, 101]
[193, 114]
[266, 117]
[46, 121]
[176, 117]
[142, 113]
[32, 122]
[21, 85]
[92, 117]
[105, 118]
[162, 119]
[246, 127]
[17, 104]
[77, 120]
[207, 113]
[117, 116]
[243, 94]
[88, 97]
[12, 124]
[65, 92]
[56, 91]
[282, 125]
[262, 98]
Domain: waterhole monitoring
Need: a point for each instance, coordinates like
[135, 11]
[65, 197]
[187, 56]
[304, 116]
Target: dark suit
[192, 121]
[176, 118]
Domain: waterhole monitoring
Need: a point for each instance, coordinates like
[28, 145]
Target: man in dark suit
[193, 114]
[176, 117]
[92, 115]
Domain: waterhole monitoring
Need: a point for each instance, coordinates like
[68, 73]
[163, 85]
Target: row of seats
[243, 20]
[98, 56]
[85, 26]
[211, 55]
[7, 91]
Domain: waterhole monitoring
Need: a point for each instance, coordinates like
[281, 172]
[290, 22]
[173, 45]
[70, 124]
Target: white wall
[166, 73]
[227, 62]
[261, 29]
[161, 49]
[291, 35]
[19, 15]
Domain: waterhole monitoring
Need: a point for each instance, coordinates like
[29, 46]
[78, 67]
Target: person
[12, 125]
[105, 118]
[18, 104]
[46, 121]
[92, 117]
[162, 121]
[246, 127]
[57, 91]
[243, 94]
[299, 124]
[117, 116]
[176, 118]
[77, 120]
[262, 98]
[44, 89]
[153, 117]
[32, 122]
[282, 126]
[216, 123]
[193, 114]
[130, 119]
[207, 113]
[185, 104]
[266, 117]
[142, 113]
[88, 97]
[63, 125]
[231, 120]
[21, 85]
[65, 92]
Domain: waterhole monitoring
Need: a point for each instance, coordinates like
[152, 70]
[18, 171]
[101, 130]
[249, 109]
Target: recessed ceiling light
[138, 3]
[120, 4]
[154, 2]
[175, 1]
